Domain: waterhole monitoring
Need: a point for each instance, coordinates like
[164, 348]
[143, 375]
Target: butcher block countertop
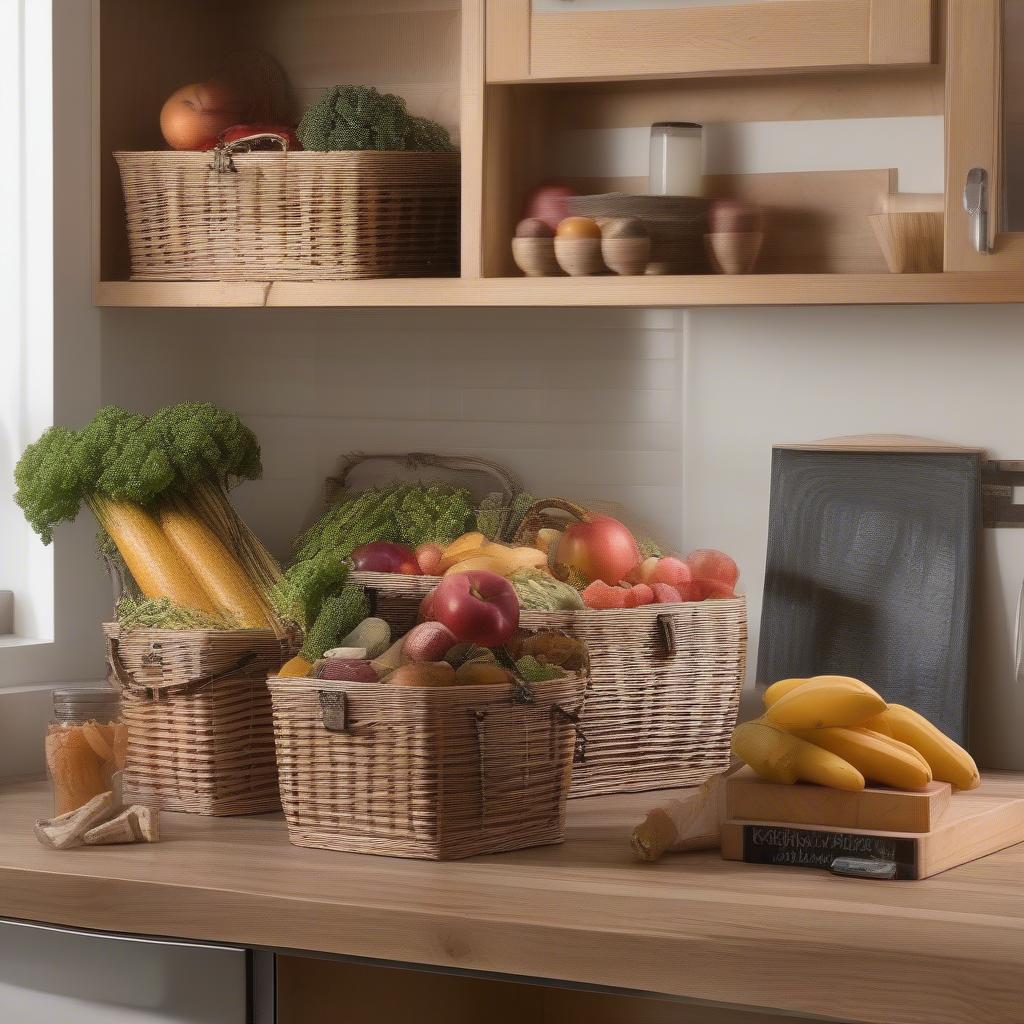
[948, 949]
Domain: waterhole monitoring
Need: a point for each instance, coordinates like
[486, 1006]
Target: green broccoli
[302, 590]
[338, 616]
[162, 613]
[357, 117]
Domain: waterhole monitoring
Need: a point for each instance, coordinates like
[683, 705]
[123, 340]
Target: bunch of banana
[836, 731]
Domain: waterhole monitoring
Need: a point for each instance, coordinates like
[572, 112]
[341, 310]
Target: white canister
[677, 159]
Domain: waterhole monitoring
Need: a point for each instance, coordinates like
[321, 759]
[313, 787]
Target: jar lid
[87, 695]
[676, 124]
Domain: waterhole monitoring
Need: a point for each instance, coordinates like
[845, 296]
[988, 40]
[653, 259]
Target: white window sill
[9, 640]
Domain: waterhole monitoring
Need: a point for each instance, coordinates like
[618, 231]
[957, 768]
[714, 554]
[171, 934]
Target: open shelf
[813, 139]
[627, 292]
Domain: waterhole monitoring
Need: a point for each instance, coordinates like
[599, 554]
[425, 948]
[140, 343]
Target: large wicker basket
[197, 708]
[664, 693]
[290, 216]
[421, 772]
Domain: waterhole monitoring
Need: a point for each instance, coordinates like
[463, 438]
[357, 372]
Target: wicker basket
[197, 708]
[428, 773]
[290, 216]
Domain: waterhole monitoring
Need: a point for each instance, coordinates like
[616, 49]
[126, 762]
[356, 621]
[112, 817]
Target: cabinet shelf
[626, 292]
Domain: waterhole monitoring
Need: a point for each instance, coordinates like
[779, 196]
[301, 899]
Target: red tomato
[478, 607]
[549, 203]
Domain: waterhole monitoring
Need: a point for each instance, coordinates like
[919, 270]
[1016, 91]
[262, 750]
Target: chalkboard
[815, 848]
[870, 573]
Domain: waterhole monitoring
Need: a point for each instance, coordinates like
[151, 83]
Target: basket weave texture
[665, 683]
[421, 772]
[291, 216]
[197, 708]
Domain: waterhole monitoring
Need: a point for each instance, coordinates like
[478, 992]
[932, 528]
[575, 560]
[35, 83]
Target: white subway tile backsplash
[584, 404]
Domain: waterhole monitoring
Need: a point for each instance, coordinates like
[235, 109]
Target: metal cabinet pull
[976, 205]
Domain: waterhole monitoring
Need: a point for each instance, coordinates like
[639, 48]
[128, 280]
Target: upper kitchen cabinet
[985, 135]
[581, 40]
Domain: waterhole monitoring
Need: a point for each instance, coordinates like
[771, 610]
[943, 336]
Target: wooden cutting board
[749, 798]
[972, 827]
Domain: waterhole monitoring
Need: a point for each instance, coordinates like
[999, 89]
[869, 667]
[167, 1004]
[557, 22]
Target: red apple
[601, 548]
[549, 203]
[479, 607]
[382, 556]
[709, 564]
[714, 589]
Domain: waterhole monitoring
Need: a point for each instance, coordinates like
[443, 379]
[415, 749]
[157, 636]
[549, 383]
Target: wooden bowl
[910, 242]
[579, 257]
[734, 252]
[535, 257]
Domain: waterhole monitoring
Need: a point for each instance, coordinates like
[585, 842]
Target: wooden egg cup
[535, 257]
[579, 257]
[734, 252]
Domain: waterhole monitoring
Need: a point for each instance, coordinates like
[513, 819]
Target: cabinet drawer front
[527, 42]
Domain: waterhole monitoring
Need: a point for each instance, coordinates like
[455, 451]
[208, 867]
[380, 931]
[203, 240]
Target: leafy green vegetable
[357, 117]
[303, 588]
[338, 616]
[534, 671]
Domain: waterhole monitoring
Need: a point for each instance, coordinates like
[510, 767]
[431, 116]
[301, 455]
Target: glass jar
[86, 744]
[677, 159]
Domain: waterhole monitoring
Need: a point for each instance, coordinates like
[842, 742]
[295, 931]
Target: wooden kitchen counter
[942, 951]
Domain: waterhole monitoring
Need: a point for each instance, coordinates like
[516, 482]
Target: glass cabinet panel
[1013, 116]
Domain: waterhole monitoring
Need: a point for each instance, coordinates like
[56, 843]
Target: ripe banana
[876, 757]
[949, 761]
[778, 690]
[826, 702]
[782, 757]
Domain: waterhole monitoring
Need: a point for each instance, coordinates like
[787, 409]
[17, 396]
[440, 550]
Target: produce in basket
[382, 556]
[836, 731]
[158, 488]
[478, 607]
[339, 614]
[357, 117]
[539, 591]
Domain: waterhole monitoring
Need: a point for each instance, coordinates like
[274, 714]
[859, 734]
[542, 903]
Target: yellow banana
[949, 761]
[778, 690]
[826, 702]
[782, 757]
[875, 756]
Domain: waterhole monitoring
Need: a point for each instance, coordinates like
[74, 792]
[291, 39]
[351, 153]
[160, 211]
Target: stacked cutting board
[877, 832]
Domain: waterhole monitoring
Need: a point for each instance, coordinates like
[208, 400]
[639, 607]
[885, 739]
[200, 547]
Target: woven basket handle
[532, 520]
[127, 681]
[223, 152]
[509, 482]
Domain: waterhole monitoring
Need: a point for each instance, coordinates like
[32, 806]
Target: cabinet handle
[976, 205]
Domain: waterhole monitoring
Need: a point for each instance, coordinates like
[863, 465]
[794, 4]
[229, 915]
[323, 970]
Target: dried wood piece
[67, 830]
[691, 822]
[136, 824]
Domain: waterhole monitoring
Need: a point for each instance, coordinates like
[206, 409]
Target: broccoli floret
[337, 618]
[52, 481]
[357, 117]
[302, 590]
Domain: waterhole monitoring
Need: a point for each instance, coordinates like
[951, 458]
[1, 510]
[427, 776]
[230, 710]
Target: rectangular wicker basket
[419, 772]
[197, 708]
[665, 683]
[291, 216]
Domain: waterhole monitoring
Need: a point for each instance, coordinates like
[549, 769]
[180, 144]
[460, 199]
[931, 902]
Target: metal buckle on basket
[579, 750]
[522, 693]
[333, 710]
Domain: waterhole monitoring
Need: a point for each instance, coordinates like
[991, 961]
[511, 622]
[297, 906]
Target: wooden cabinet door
[565, 40]
[985, 134]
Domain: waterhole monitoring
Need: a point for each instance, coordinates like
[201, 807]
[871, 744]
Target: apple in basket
[479, 607]
[383, 556]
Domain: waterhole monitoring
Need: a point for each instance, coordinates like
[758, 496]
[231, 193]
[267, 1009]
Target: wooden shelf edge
[638, 292]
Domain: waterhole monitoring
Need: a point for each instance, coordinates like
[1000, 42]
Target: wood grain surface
[943, 951]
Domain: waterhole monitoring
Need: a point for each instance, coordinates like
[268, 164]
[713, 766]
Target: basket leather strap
[128, 682]
[669, 634]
